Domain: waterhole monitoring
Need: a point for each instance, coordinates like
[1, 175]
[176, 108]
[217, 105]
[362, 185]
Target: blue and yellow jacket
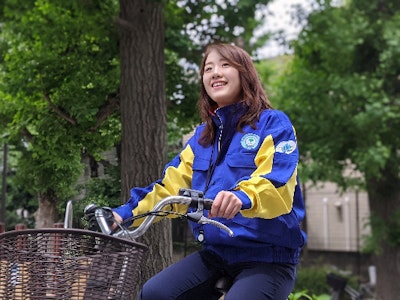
[260, 167]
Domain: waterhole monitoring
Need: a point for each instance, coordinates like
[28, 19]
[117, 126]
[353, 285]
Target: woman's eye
[225, 65]
[208, 69]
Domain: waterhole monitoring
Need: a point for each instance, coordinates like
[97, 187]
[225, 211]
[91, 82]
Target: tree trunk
[384, 198]
[46, 214]
[143, 113]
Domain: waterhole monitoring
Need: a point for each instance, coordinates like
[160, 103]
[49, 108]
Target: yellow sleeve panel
[267, 200]
[175, 177]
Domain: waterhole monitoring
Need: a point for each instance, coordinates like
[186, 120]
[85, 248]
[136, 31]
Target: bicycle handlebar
[196, 216]
[190, 198]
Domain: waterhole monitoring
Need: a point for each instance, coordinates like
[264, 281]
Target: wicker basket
[68, 264]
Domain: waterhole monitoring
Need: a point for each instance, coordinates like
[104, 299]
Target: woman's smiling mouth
[218, 84]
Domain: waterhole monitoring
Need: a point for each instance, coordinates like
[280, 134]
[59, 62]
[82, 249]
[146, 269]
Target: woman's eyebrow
[212, 62]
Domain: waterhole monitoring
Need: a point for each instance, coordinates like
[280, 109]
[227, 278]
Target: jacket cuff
[245, 200]
[124, 211]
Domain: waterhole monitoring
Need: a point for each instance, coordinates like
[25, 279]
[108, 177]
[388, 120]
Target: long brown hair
[252, 95]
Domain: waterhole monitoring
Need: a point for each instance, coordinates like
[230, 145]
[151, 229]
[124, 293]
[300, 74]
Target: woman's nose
[216, 72]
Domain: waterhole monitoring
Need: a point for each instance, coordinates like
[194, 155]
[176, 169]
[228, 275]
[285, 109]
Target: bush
[312, 280]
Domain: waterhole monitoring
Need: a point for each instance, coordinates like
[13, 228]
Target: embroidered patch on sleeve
[286, 147]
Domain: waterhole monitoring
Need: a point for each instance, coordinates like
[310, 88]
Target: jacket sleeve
[177, 174]
[270, 190]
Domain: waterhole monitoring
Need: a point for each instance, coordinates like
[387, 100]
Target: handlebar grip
[104, 219]
[99, 218]
[207, 203]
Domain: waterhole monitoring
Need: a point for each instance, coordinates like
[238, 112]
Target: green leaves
[60, 76]
[387, 230]
[59, 66]
[341, 91]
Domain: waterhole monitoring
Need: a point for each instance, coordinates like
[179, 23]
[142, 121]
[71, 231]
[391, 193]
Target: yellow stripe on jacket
[267, 201]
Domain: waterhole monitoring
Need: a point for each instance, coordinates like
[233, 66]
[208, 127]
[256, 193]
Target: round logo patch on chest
[250, 141]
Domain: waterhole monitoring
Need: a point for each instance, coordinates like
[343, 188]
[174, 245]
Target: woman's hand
[118, 219]
[225, 205]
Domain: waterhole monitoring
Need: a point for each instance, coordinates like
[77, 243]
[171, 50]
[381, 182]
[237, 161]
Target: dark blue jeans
[194, 278]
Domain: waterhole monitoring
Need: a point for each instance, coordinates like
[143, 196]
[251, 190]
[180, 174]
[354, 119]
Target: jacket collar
[228, 115]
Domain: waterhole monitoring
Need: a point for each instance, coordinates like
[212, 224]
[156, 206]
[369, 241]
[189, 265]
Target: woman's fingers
[225, 205]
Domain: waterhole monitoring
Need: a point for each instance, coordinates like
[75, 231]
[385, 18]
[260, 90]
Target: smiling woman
[244, 156]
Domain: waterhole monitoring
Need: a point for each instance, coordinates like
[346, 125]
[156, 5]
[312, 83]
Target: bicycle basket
[68, 264]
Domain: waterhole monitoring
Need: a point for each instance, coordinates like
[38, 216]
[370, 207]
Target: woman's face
[221, 81]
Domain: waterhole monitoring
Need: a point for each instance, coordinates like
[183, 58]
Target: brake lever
[204, 220]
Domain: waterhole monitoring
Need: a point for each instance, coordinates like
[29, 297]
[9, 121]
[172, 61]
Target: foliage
[384, 230]
[59, 78]
[20, 204]
[353, 99]
[304, 295]
[342, 93]
[59, 66]
[312, 280]
[102, 191]
[311, 283]
[270, 71]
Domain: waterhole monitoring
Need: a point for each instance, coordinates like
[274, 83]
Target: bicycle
[339, 285]
[66, 263]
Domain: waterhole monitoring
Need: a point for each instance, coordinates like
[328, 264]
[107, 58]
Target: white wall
[332, 218]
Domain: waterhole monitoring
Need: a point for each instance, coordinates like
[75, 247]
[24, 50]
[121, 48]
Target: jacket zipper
[221, 128]
[200, 235]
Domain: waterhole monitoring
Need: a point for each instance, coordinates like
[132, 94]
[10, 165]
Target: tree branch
[111, 105]
[26, 134]
[59, 111]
